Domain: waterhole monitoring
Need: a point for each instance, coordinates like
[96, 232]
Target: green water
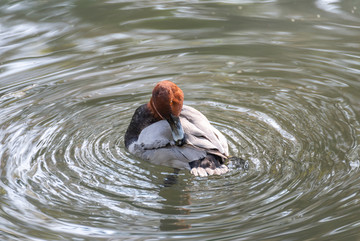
[280, 79]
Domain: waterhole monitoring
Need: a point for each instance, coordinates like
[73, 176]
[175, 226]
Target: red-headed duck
[166, 132]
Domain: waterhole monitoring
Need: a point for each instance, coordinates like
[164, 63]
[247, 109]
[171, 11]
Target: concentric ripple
[280, 81]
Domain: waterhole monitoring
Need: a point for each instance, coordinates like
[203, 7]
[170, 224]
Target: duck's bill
[176, 130]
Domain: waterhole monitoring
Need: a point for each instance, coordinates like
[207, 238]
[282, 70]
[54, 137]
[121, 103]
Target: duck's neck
[152, 108]
[141, 119]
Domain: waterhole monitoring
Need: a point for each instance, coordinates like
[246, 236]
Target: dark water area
[279, 78]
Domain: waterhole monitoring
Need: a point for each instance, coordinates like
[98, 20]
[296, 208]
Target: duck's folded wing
[200, 133]
[155, 144]
[155, 136]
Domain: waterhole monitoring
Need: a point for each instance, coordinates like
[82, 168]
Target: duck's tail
[209, 165]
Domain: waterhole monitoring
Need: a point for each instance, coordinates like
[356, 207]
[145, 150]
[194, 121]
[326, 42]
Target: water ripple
[280, 82]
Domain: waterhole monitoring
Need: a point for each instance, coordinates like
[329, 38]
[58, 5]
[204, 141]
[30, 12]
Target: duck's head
[166, 104]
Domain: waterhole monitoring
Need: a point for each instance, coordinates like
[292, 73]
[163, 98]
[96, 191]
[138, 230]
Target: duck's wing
[155, 144]
[156, 135]
[200, 133]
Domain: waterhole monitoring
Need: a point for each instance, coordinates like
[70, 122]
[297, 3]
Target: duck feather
[155, 142]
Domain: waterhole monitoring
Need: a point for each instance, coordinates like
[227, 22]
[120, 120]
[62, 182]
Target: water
[279, 78]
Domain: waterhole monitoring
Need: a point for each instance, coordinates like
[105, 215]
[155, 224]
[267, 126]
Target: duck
[166, 132]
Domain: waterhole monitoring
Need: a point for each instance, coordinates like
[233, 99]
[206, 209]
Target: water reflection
[174, 204]
[278, 78]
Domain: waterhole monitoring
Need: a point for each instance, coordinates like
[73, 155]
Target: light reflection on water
[278, 78]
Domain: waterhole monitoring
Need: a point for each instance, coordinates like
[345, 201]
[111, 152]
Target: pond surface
[280, 79]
